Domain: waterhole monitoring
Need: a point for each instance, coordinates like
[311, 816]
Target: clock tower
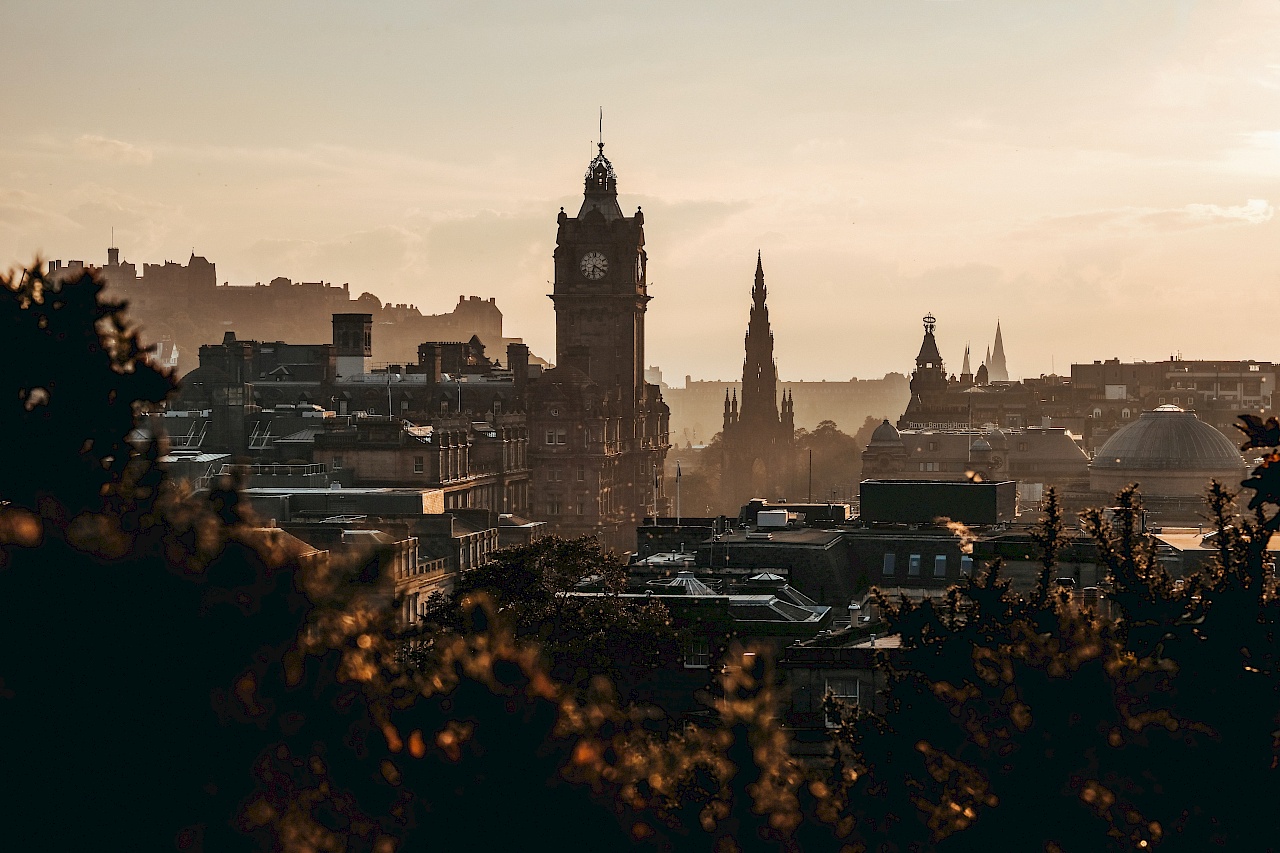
[599, 431]
[600, 291]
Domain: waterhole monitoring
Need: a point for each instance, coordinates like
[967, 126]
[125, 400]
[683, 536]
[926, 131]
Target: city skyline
[1091, 175]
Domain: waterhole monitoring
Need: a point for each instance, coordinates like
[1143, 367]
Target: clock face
[594, 265]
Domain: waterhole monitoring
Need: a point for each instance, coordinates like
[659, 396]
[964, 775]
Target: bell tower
[600, 292]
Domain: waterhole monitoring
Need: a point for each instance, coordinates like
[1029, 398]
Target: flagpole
[677, 494]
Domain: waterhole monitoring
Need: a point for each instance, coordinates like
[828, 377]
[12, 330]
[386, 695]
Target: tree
[837, 459]
[72, 356]
[1038, 719]
[536, 592]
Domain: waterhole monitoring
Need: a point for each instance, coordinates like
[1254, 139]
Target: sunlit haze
[1099, 176]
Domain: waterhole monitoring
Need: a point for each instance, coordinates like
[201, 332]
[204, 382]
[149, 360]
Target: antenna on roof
[602, 127]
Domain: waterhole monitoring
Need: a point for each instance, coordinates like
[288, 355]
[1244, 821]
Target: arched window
[1125, 413]
[1097, 414]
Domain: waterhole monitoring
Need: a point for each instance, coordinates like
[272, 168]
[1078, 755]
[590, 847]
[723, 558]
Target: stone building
[598, 429]
[185, 305]
[758, 439]
[942, 402]
[1170, 453]
[1109, 394]
[1035, 457]
[475, 463]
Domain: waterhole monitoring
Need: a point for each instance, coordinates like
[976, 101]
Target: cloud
[1255, 211]
[112, 150]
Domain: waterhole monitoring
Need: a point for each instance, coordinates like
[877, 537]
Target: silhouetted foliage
[582, 637]
[176, 678]
[77, 381]
[1042, 721]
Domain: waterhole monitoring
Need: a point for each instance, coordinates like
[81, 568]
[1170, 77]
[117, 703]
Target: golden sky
[1100, 175]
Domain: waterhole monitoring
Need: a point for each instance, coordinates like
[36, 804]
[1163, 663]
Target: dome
[1168, 438]
[886, 434]
[1169, 451]
[981, 445]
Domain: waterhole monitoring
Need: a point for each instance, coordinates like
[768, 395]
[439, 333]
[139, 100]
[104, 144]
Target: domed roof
[886, 434]
[1168, 438]
[981, 445]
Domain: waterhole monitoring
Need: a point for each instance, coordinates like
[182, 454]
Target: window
[1022, 446]
[889, 560]
[940, 566]
[846, 690]
[337, 462]
[582, 473]
[554, 475]
[551, 436]
[913, 565]
[553, 506]
[933, 445]
[582, 506]
[557, 435]
[697, 653]
[966, 565]
[419, 464]
[1125, 414]
[1097, 413]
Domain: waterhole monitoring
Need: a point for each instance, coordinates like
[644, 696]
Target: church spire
[998, 370]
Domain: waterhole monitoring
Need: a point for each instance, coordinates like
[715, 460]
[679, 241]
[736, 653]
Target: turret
[929, 375]
[788, 413]
[353, 343]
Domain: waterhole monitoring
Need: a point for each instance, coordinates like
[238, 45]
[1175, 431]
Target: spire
[759, 370]
[964, 368]
[758, 290]
[999, 371]
[600, 190]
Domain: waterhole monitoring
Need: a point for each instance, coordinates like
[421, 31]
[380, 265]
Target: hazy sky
[1101, 175]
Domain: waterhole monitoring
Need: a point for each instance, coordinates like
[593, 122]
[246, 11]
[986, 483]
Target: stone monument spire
[759, 371]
